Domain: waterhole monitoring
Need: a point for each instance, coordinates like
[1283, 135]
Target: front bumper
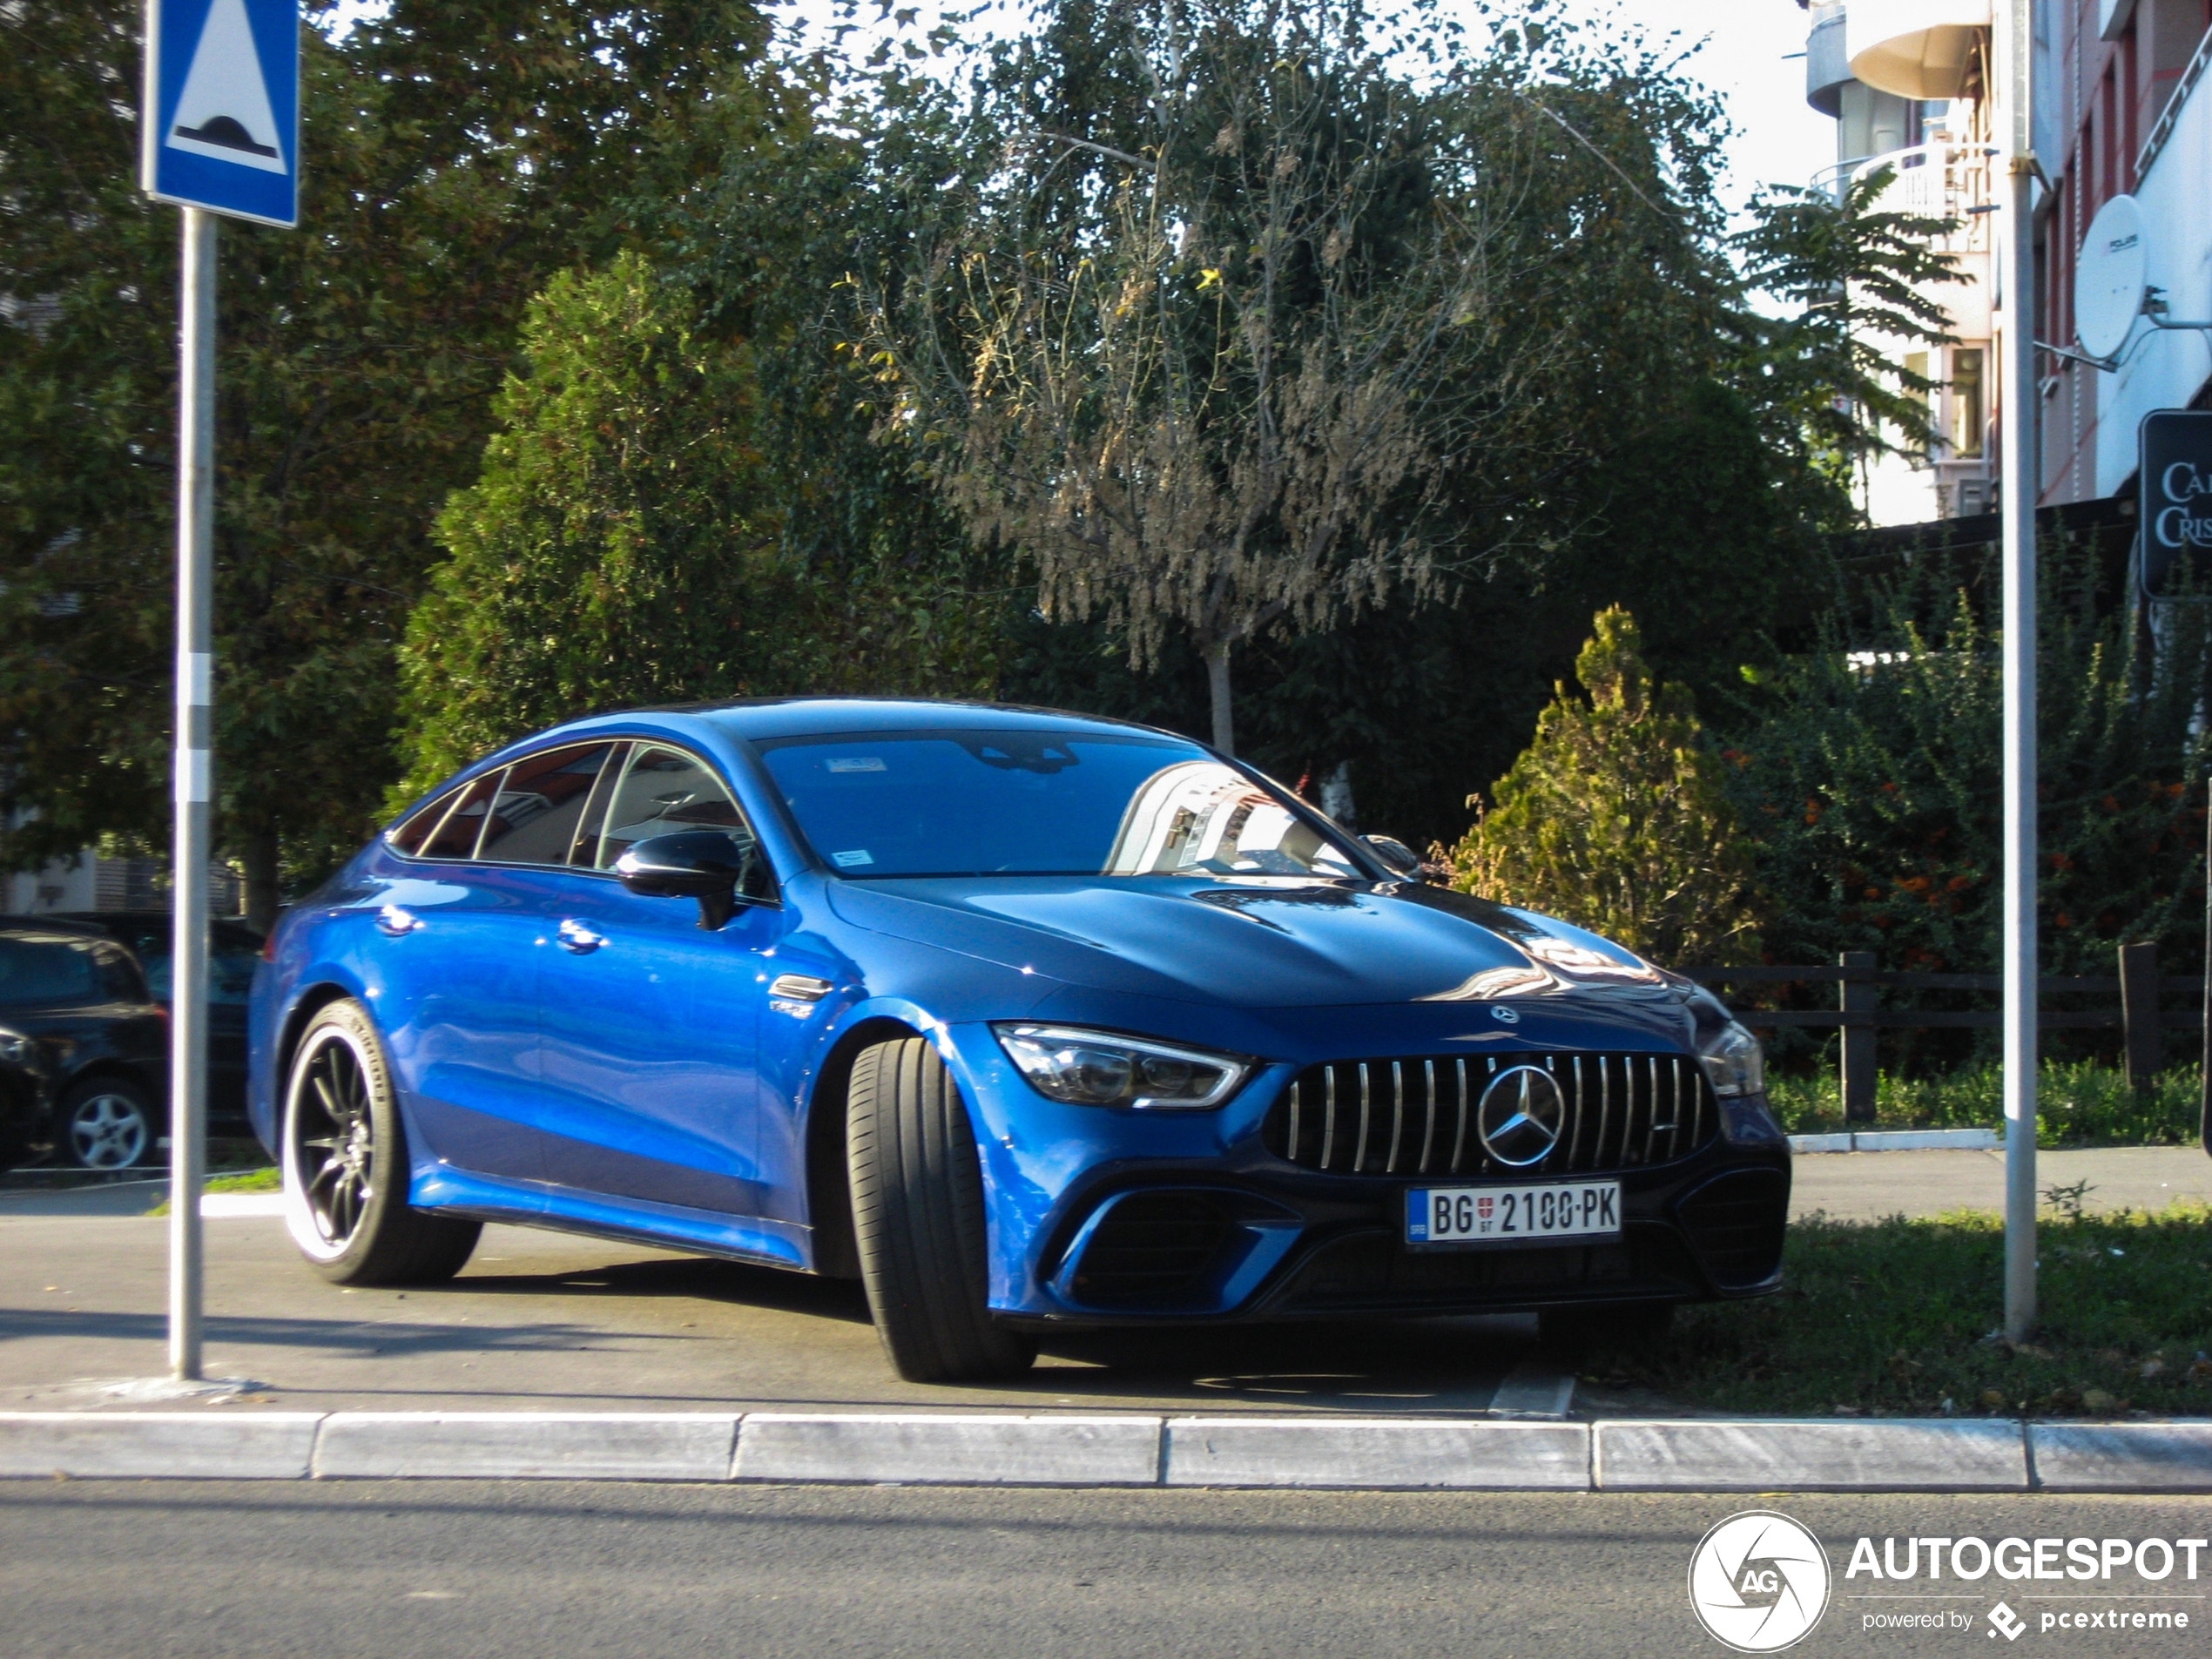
[1213, 1245]
[1118, 1218]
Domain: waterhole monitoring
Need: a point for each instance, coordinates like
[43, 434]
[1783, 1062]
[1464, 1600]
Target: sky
[1747, 56]
[1745, 50]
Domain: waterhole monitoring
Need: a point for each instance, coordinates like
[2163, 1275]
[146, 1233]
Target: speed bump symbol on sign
[1758, 1582]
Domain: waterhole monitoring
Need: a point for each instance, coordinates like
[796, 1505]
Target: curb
[1766, 1455]
[1899, 1140]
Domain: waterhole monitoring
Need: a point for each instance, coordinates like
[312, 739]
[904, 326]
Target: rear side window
[533, 819]
[455, 836]
[56, 972]
[409, 836]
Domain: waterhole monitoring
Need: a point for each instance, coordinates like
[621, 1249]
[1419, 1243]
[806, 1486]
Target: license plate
[1511, 1215]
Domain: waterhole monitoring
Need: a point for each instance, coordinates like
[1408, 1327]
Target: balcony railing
[1932, 181]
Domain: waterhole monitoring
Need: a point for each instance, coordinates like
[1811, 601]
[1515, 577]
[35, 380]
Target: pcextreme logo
[1758, 1582]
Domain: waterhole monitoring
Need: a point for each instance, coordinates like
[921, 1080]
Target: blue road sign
[221, 108]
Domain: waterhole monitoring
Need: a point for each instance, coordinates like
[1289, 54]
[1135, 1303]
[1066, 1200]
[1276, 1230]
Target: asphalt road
[138, 1571]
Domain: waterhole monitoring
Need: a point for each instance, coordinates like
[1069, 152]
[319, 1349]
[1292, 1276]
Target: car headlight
[1734, 1063]
[17, 1048]
[1082, 1067]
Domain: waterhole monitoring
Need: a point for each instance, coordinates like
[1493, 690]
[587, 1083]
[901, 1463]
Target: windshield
[1038, 803]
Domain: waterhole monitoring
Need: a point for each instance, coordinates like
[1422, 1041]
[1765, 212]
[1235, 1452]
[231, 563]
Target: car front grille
[1417, 1115]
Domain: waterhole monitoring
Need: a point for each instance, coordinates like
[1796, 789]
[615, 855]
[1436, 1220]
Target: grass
[269, 1180]
[1894, 1319]
[2082, 1104]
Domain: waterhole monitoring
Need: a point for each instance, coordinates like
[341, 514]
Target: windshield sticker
[857, 763]
[853, 859]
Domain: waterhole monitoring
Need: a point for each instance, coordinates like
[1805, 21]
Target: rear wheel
[918, 1219]
[105, 1123]
[345, 1165]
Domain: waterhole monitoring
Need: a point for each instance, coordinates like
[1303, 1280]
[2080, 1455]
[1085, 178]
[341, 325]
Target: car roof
[62, 927]
[795, 717]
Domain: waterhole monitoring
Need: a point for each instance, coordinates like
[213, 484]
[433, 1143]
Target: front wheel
[918, 1219]
[345, 1165]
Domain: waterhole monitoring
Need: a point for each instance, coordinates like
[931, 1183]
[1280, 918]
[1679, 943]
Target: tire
[1571, 1333]
[343, 1153]
[105, 1123]
[918, 1219]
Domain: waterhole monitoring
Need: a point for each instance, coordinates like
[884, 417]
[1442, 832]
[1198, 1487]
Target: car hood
[1259, 942]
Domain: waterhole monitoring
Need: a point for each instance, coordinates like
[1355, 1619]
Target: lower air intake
[1152, 1249]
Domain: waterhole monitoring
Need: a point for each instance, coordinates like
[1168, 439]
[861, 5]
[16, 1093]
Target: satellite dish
[2108, 279]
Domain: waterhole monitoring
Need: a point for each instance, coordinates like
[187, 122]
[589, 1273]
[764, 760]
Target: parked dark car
[75, 1013]
[233, 951]
[23, 1102]
[1025, 1019]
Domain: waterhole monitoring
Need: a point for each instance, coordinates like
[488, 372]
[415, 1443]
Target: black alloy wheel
[345, 1165]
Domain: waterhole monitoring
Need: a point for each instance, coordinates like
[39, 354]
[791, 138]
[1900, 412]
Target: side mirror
[1397, 857]
[711, 866]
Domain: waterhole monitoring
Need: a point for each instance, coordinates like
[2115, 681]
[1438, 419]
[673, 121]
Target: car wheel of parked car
[345, 1165]
[918, 1219]
[1570, 1332]
[105, 1123]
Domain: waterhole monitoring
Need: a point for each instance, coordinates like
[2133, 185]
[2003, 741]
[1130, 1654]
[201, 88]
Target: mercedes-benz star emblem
[1522, 1116]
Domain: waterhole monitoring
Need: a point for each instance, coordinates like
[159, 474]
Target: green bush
[1869, 771]
[2081, 1103]
[1615, 819]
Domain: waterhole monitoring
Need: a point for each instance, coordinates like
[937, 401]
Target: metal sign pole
[195, 737]
[2017, 281]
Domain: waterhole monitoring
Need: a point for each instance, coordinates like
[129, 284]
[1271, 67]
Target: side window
[455, 838]
[119, 974]
[584, 851]
[409, 836]
[664, 790]
[534, 817]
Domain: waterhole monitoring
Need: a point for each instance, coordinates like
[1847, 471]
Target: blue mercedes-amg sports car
[1022, 1018]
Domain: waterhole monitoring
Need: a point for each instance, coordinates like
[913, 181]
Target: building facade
[2121, 108]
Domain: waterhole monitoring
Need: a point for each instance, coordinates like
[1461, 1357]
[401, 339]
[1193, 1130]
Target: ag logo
[1758, 1582]
[1504, 1015]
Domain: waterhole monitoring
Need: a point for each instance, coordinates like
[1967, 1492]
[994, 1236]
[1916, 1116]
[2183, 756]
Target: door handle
[397, 922]
[579, 940]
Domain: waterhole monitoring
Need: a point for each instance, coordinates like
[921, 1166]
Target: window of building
[1968, 406]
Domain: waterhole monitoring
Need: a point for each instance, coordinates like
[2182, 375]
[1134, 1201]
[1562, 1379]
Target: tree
[1209, 358]
[613, 551]
[457, 156]
[1615, 818]
[1861, 278]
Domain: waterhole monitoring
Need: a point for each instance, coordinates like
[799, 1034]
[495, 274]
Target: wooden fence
[2138, 985]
